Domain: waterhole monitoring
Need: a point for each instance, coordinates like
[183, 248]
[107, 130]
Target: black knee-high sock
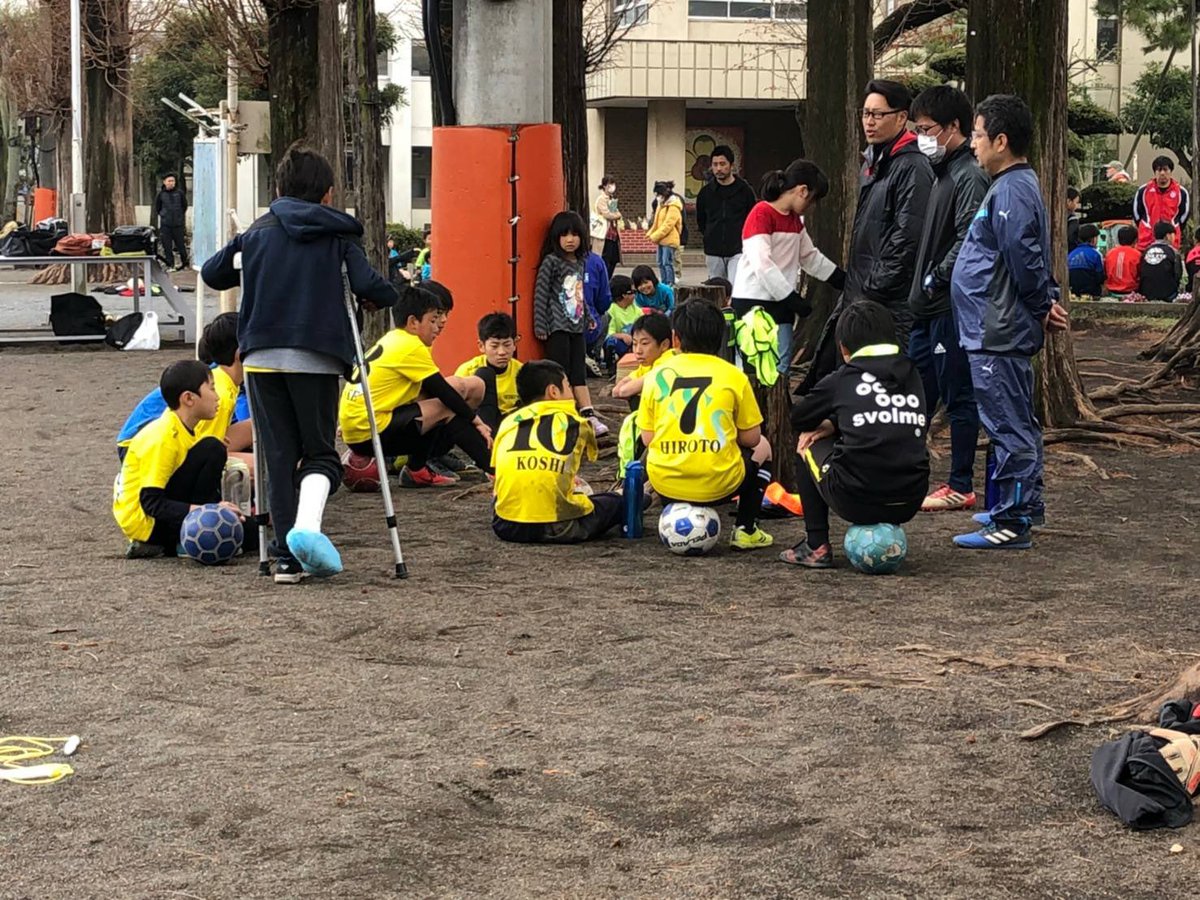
[461, 432]
[816, 510]
[754, 485]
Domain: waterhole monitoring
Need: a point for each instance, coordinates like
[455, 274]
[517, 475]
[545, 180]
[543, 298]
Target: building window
[422, 175]
[420, 60]
[1108, 39]
[746, 9]
[631, 12]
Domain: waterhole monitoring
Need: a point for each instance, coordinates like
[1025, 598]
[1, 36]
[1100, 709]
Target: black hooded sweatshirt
[877, 405]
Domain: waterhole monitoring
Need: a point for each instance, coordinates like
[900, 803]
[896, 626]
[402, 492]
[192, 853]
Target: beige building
[691, 74]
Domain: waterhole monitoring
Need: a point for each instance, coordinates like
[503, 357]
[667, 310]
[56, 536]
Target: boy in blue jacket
[1085, 265]
[295, 342]
[1005, 299]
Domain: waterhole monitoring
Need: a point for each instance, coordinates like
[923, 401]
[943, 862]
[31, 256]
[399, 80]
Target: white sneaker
[599, 427]
[593, 366]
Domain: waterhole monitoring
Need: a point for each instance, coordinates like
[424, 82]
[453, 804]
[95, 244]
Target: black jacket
[1074, 220]
[721, 212]
[894, 188]
[291, 277]
[879, 454]
[956, 196]
[1161, 272]
[169, 207]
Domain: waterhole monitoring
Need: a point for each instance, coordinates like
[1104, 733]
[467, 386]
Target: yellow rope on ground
[16, 750]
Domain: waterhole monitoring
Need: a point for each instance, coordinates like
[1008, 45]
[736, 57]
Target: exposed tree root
[1084, 460]
[1148, 409]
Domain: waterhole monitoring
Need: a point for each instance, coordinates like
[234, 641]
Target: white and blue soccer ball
[876, 549]
[212, 534]
[689, 530]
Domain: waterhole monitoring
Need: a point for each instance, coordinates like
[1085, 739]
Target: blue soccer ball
[876, 549]
[689, 530]
[212, 534]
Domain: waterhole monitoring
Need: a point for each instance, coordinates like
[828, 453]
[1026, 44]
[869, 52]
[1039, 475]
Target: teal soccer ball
[212, 534]
[876, 549]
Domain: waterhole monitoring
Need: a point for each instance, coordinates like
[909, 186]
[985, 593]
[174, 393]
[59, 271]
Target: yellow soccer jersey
[537, 453]
[398, 364]
[154, 455]
[643, 371]
[696, 404]
[506, 381]
[227, 397]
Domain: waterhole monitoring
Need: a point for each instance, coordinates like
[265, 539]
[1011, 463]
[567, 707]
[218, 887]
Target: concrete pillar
[502, 65]
[596, 138]
[666, 123]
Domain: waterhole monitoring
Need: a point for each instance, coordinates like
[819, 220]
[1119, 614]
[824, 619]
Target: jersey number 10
[523, 442]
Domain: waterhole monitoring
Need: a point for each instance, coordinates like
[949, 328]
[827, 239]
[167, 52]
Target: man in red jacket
[1162, 199]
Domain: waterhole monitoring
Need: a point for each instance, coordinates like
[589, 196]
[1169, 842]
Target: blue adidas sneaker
[315, 553]
[994, 537]
[1037, 520]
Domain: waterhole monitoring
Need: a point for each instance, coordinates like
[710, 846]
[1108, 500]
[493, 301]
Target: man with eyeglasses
[1005, 299]
[894, 186]
[942, 118]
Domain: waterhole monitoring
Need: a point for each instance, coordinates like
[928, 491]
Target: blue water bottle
[635, 484]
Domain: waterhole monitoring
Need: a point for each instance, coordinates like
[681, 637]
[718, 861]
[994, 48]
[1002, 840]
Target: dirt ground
[602, 721]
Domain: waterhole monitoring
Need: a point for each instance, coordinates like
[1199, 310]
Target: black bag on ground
[45, 235]
[133, 239]
[76, 314]
[121, 332]
[16, 243]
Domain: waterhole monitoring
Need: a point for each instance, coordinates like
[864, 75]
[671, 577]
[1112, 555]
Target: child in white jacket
[776, 246]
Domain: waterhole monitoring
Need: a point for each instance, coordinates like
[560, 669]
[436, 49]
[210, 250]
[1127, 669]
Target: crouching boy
[167, 471]
[702, 427]
[537, 454]
[862, 436]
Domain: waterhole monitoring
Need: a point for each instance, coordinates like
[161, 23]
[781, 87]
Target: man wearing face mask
[942, 119]
[894, 187]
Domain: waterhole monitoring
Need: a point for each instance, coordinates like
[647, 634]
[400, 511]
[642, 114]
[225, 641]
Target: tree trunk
[108, 115]
[305, 81]
[570, 99]
[1020, 47]
[8, 205]
[909, 16]
[363, 75]
[839, 67]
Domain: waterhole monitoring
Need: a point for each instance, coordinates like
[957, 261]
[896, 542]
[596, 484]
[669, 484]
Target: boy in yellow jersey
[218, 348]
[419, 413]
[651, 345]
[537, 454]
[495, 367]
[168, 469]
[702, 427]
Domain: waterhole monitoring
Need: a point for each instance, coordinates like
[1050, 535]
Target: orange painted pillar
[45, 203]
[473, 205]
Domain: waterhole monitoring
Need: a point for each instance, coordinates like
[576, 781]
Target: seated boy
[1085, 265]
[862, 436]
[1162, 268]
[1122, 263]
[219, 349]
[621, 316]
[537, 454]
[495, 367]
[420, 414]
[651, 345]
[702, 427]
[168, 469]
[654, 294]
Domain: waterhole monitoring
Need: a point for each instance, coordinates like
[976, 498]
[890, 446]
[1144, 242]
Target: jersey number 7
[687, 421]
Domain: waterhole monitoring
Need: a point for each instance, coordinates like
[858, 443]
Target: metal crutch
[376, 443]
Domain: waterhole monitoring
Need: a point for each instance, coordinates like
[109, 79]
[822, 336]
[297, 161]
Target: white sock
[314, 491]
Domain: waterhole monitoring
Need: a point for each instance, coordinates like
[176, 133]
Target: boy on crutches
[296, 342]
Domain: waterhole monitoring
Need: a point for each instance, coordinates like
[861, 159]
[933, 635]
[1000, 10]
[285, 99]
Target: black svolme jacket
[721, 211]
[957, 194]
[877, 406]
[894, 188]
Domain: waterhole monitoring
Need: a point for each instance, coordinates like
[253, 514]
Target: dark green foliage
[406, 238]
[1170, 122]
[918, 81]
[1086, 118]
[951, 65]
[1108, 200]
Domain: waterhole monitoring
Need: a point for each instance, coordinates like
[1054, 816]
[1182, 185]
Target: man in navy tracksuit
[1004, 298]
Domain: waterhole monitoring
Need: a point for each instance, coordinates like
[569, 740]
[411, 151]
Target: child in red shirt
[1123, 263]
